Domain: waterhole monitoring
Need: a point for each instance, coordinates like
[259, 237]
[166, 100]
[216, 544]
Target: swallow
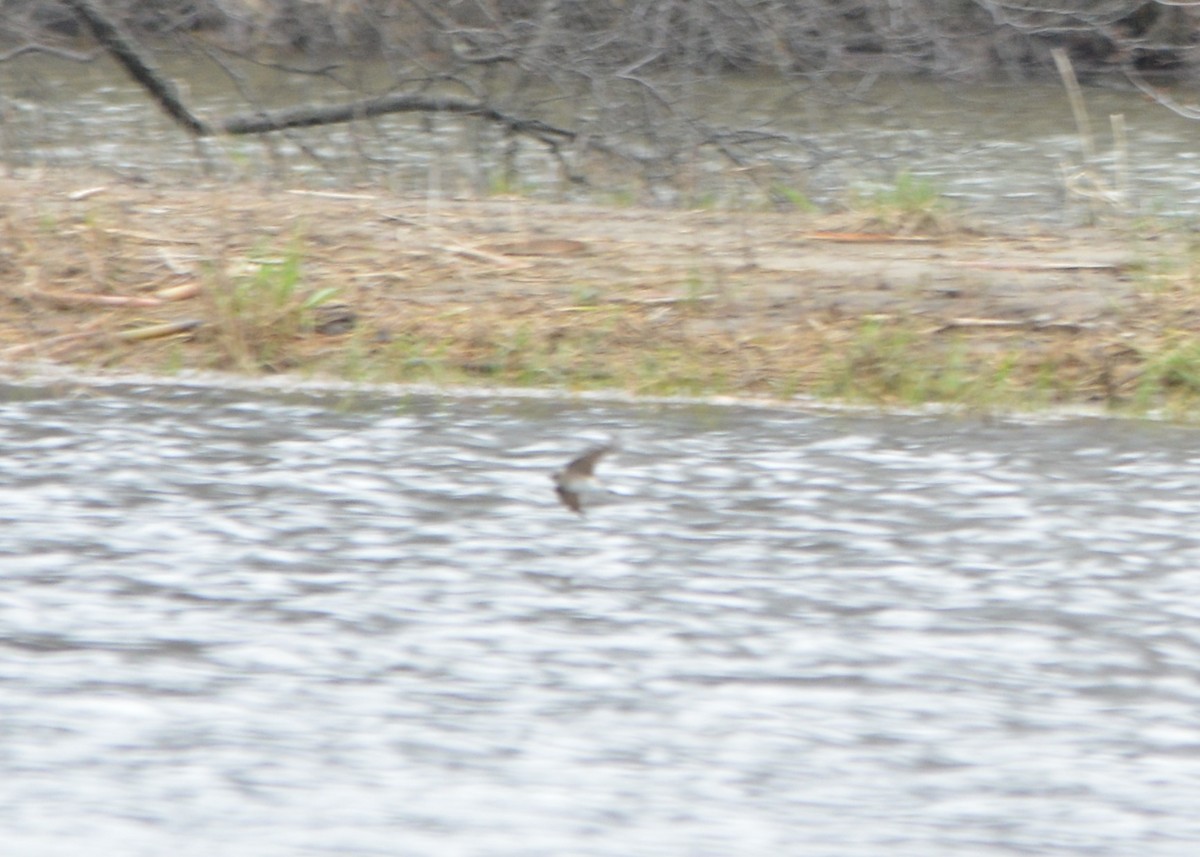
[579, 477]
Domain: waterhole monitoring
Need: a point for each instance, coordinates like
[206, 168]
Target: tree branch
[301, 117]
[125, 52]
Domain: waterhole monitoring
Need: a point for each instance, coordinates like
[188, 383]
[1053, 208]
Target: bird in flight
[578, 477]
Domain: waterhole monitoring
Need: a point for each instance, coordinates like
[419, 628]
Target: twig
[329, 194]
[179, 293]
[73, 56]
[867, 238]
[140, 334]
[151, 238]
[306, 116]
[1075, 96]
[686, 299]
[80, 195]
[1159, 97]
[477, 255]
[73, 299]
[78, 335]
[1009, 324]
[1040, 266]
[157, 331]
[1120, 155]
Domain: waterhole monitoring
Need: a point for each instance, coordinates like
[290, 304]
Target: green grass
[909, 203]
[785, 195]
[262, 306]
[899, 364]
[505, 183]
[1170, 379]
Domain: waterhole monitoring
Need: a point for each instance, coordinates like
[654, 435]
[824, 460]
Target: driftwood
[125, 51]
[78, 299]
[303, 117]
[75, 299]
[1011, 324]
[90, 333]
[157, 331]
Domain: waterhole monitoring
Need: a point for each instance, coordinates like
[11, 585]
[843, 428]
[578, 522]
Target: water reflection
[246, 624]
[996, 161]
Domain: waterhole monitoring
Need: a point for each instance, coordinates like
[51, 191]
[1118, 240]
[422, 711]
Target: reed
[579, 298]
[259, 306]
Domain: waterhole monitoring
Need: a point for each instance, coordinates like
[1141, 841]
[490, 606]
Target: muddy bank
[507, 291]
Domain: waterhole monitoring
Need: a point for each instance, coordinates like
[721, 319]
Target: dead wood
[77, 299]
[307, 116]
[125, 51]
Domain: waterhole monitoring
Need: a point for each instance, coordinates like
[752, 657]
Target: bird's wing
[585, 464]
[569, 498]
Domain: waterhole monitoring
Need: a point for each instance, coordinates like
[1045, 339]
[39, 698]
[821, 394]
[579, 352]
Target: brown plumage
[576, 476]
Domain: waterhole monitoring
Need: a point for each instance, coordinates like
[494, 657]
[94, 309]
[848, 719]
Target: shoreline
[766, 307]
[58, 375]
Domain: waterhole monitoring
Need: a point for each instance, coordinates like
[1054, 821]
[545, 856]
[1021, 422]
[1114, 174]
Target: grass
[876, 362]
[503, 182]
[1161, 273]
[1170, 378]
[909, 204]
[900, 364]
[260, 305]
[793, 198]
[715, 312]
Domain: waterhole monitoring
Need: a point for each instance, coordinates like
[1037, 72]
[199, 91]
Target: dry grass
[372, 288]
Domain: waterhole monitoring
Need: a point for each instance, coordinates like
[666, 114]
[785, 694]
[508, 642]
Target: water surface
[1002, 152]
[360, 624]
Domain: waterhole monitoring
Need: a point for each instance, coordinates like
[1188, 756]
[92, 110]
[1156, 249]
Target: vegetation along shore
[507, 291]
[893, 299]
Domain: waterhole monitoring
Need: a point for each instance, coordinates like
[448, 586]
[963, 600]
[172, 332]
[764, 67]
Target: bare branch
[124, 51]
[62, 53]
[1159, 95]
[301, 117]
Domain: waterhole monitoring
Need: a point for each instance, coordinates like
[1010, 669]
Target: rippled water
[998, 151]
[315, 624]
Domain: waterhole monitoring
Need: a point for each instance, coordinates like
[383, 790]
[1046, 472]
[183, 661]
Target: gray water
[234, 623]
[999, 152]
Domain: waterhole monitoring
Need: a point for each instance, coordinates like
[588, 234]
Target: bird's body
[578, 478]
